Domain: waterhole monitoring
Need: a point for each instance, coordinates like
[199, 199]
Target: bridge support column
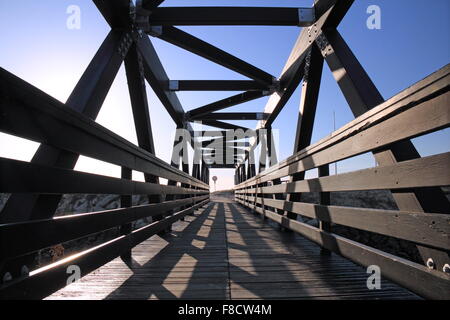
[306, 114]
[272, 156]
[362, 95]
[262, 163]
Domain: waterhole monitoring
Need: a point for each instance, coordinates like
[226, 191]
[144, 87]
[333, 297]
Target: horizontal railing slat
[427, 283]
[25, 177]
[25, 237]
[426, 228]
[428, 116]
[422, 172]
[55, 275]
[30, 113]
[434, 88]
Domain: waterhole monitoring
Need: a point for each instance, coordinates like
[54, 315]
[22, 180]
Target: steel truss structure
[68, 130]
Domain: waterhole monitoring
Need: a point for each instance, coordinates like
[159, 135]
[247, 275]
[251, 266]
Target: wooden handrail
[32, 114]
[417, 95]
[54, 276]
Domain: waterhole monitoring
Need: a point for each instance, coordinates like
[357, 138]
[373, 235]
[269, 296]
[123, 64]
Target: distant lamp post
[214, 178]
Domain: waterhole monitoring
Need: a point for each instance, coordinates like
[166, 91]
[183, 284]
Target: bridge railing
[419, 110]
[31, 114]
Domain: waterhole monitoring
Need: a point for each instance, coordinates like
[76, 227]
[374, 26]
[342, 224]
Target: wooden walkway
[225, 252]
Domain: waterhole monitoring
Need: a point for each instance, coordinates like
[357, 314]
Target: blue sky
[37, 46]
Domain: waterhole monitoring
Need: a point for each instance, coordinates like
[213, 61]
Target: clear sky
[37, 46]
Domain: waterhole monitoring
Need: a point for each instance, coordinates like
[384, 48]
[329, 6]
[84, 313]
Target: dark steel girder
[223, 125]
[218, 135]
[308, 102]
[190, 43]
[229, 143]
[198, 16]
[234, 116]
[216, 85]
[211, 134]
[293, 71]
[150, 4]
[224, 103]
[362, 95]
[306, 114]
[138, 97]
[139, 104]
[156, 75]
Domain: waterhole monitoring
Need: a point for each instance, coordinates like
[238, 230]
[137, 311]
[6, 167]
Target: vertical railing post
[324, 200]
[174, 162]
[272, 161]
[126, 202]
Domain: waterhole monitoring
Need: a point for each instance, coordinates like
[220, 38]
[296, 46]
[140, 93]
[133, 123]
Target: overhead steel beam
[138, 98]
[201, 16]
[117, 14]
[292, 72]
[219, 149]
[234, 116]
[309, 98]
[139, 103]
[229, 143]
[216, 85]
[223, 125]
[190, 43]
[329, 15]
[224, 103]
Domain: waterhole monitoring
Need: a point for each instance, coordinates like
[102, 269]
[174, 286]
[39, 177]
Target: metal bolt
[7, 277]
[24, 271]
[430, 264]
[446, 268]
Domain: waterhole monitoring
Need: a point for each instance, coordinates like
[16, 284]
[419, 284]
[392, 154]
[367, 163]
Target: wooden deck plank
[226, 252]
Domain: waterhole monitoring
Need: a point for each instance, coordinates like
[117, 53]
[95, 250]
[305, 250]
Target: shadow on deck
[226, 252]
